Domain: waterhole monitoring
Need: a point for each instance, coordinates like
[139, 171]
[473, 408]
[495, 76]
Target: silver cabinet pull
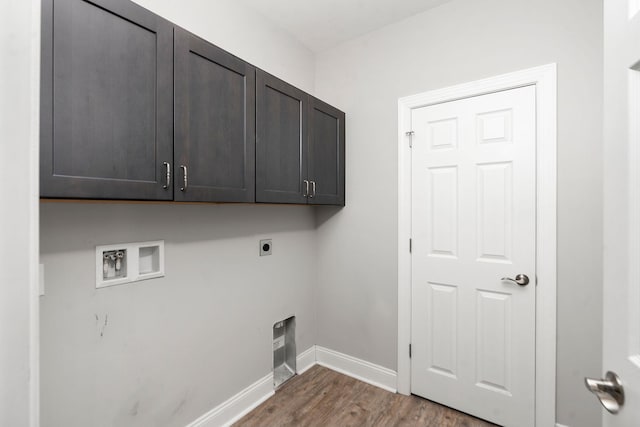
[313, 189]
[521, 280]
[609, 390]
[167, 182]
[184, 178]
[306, 188]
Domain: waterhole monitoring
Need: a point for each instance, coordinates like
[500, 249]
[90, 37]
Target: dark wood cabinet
[135, 108]
[106, 101]
[281, 141]
[326, 153]
[299, 146]
[214, 140]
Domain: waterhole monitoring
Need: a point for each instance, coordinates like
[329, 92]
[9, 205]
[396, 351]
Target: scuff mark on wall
[180, 406]
[134, 410]
[104, 324]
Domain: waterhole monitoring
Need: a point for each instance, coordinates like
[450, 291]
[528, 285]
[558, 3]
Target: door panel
[495, 212]
[442, 218]
[494, 341]
[281, 138]
[214, 123]
[621, 295]
[326, 153]
[443, 331]
[108, 130]
[473, 223]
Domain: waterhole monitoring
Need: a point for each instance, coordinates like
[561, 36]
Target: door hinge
[410, 245]
[410, 135]
[409, 351]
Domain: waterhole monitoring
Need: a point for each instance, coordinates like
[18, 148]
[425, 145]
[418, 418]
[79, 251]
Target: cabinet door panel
[106, 101]
[281, 131]
[326, 153]
[214, 123]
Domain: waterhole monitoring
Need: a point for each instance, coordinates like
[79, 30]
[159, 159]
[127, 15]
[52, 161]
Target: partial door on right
[299, 146]
[621, 287]
[473, 251]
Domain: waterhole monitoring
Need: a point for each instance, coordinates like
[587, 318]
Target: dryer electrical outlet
[266, 246]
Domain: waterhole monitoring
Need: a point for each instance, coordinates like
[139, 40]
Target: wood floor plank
[322, 397]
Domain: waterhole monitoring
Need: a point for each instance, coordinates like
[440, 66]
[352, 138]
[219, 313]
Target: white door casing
[543, 82]
[473, 223]
[621, 296]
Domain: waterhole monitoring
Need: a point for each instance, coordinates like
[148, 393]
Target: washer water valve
[114, 264]
[121, 263]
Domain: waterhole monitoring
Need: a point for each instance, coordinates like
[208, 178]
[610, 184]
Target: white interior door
[621, 296]
[473, 223]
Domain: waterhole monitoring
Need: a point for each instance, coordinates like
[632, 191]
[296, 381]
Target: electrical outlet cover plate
[266, 246]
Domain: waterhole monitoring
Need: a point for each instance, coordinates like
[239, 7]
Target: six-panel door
[326, 153]
[106, 103]
[214, 142]
[473, 224]
[281, 135]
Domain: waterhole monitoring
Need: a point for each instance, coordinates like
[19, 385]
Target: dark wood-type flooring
[322, 397]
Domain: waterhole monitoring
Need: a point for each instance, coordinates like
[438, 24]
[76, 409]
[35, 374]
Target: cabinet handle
[168, 176]
[306, 189]
[313, 190]
[184, 177]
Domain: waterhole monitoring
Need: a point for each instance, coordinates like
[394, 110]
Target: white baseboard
[560, 425]
[306, 360]
[357, 368]
[237, 406]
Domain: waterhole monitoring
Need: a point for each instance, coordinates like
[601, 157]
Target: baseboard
[306, 360]
[357, 368]
[237, 406]
[560, 425]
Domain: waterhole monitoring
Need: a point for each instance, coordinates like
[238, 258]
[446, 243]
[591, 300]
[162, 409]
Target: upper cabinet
[106, 101]
[214, 144]
[299, 146]
[281, 141]
[326, 153]
[134, 107]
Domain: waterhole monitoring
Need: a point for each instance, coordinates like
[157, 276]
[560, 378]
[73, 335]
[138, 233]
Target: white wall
[461, 41]
[19, 50]
[163, 352]
[243, 32]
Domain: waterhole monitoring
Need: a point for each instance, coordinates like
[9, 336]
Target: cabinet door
[214, 111]
[106, 101]
[280, 136]
[326, 153]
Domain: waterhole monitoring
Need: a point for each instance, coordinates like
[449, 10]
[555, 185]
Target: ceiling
[322, 24]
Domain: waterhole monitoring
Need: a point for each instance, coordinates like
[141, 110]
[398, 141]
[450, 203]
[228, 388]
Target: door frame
[544, 79]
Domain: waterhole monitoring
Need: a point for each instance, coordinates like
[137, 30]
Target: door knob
[521, 279]
[609, 390]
